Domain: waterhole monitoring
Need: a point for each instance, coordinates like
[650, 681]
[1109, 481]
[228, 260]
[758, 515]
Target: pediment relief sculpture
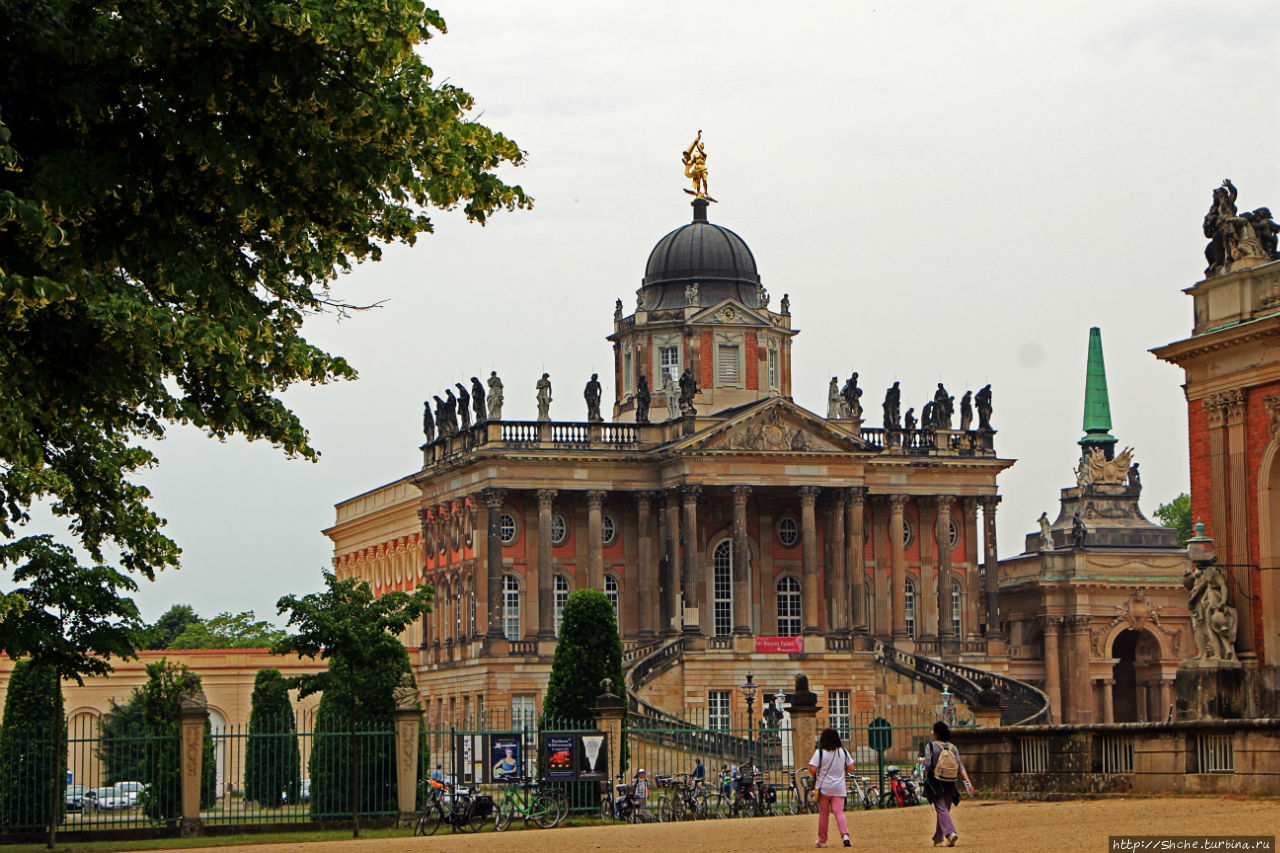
[769, 431]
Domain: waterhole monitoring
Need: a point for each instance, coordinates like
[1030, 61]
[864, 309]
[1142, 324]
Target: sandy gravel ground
[1078, 826]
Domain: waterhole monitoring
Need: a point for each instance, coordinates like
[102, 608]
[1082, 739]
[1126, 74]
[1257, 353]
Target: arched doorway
[1137, 668]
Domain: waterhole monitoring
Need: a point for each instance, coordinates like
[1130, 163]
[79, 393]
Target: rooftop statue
[495, 396]
[592, 395]
[428, 422]
[892, 402]
[464, 406]
[1114, 472]
[966, 411]
[983, 401]
[1236, 237]
[643, 397]
[1046, 534]
[477, 399]
[688, 390]
[852, 395]
[544, 397]
[836, 409]
[695, 167]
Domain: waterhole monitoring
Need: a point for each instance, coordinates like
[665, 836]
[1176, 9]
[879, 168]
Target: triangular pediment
[730, 312]
[777, 425]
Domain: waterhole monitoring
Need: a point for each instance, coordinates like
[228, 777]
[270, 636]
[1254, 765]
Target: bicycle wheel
[429, 821]
[664, 808]
[543, 811]
[561, 800]
[606, 809]
[503, 818]
[679, 808]
[888, 800]
[810, 801]
[714, 806]
[476, 821]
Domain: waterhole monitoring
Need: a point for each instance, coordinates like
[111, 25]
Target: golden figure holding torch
[695, 167]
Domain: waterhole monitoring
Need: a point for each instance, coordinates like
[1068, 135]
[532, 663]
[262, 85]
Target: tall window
[773, 369]
[869, 600]
[956, 604]
[626, 370]
[910, 610]
[669, 363]
[789, 607]
[727, 373]
[523, 711]
[722, 563]
[510, 607]
[718, 709]
[561, 597]
[611, 593]
[838, 711]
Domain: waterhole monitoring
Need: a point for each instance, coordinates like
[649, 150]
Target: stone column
[927, 591]
[406, 728]
[544, 620]
[1108, 700]
[854, 557]
[424, 522]
[880, 578]
[608, 712]
[493, 499]
[646, 572]
[989, 566]
[974, 609]
[809, 540]
[838, 614]
[595, 543]
[192, 713]
[1166, 698]
[674, 573]
[1081, 700]
[1242, 594]
[942, 536]
[741, 562]
[692, 575]
[1052, 678]
[898, 567]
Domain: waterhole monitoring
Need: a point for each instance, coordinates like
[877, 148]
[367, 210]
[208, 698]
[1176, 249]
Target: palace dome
[714, 257]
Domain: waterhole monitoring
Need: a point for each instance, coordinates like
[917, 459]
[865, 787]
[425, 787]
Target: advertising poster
[560, 753]
[469, 755]
[593, 757]
[504, 757]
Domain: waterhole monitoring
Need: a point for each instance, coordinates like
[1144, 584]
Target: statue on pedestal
[442, 423]
[892, 400]
[591, 394]
[695, 167]
[929, 415]
[544, 397]
[966, 411]
[477, 399]
[909, 422]
[617, 311]
[1079, 533]
[942, 408]
[1213, 620]
[784, 307]
[495, 396]
[1135, 479]
[642, 400]
[1236, 237]
[983, 401]
[851, 394]
[428, 422]
[464, 406]
[688, 390]
[835, 403]
[691, 294]
[670, 393]
[1046, 534]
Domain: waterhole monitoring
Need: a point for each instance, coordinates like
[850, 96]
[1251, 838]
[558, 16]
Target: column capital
[989, 502]
[493, 498]
[1048, 621]
[690, 494]
[740, 493]
[1077, 620]
[897, 502]
[546, 497]
[944, 502]
[644, 499]
[595, 497]
[808, 494]
[856, 494]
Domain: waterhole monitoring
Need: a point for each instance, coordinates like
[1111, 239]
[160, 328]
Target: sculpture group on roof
[453, 414]
[1236, 236]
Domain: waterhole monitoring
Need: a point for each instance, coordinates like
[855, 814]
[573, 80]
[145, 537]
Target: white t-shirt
[831, 767]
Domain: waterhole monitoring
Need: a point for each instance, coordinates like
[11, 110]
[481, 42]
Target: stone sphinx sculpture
[1213, 620]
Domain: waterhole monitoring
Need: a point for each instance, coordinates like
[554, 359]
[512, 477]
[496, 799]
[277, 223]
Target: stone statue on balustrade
[892, 400]
[688, 390]
[428, 422]
[942, 408]
[836, 409]
[442, 423]
[762, 297]
[617, 311]
[495, 396]
[784, 307]
[852, 395]
[1213, 620]
[909, 422]
[1135, 479]
[966, 411]
[670, 393]
[929, 415]
[477, 400]
[544, 397]
[591, 394]
[464, 406]
[643, 398]
[983, 401]
[1046, 532]
[451, 411]
[1236, 237]
[1079, 533]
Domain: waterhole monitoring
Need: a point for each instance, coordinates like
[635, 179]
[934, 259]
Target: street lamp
[948, 708]
[749, 689]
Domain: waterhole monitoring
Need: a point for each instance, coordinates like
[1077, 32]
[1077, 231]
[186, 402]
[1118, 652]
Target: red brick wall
[753, 362]
[1201, 488]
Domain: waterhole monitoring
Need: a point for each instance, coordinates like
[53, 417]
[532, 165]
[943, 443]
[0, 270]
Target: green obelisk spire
[1097, 407]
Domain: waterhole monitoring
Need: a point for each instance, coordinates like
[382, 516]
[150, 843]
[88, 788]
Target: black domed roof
[701, 252]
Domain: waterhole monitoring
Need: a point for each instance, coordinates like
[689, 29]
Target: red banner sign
[779, 645]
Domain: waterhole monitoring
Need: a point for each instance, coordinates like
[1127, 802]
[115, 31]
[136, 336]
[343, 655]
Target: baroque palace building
[733, 530]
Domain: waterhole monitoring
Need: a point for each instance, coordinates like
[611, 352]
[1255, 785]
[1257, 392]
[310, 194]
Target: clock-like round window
[788, 532]
[608, 529]
[507, 528]
[908, 533]
[559, 530]
[953, 532]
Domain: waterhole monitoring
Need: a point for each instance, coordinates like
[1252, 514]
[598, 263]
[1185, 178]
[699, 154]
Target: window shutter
[728, 365]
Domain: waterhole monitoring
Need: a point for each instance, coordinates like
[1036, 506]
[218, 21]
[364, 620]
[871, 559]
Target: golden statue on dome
[695, 168]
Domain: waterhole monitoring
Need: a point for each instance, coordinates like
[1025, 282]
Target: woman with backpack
[827, 767]
[943, 769]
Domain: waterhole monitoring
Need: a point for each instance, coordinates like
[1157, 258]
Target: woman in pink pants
[827, 767]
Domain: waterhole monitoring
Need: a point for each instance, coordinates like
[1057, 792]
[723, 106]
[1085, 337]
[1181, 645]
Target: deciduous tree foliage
[171, 623]
[33, 765]
[271, 760]
[228, 631]
[589, 650]
[357, 633]
[181, 181]
[1177, 514]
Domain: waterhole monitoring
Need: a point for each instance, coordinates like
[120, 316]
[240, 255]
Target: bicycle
[867, 797]
[522, 797]
[466, 811]
[689, 800]
[752, 800]
[802, 797]
[624, 807]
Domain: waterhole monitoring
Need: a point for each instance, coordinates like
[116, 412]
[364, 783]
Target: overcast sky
[949, 192]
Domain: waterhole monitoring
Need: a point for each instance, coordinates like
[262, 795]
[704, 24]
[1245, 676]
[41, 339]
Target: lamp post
[947, 711]
[749, 689]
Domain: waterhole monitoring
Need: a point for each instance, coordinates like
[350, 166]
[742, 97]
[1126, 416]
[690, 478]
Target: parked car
[134, 788]
[109, 799]
[304, 792]
[75, 797]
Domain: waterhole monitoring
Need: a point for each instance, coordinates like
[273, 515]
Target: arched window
[788, 607]
[957, 602]
[507, 528]
[510, 607]
[910, 609]
[608, 530]
[561, 597]
[559, 530]
[611, 593]
[722, 564]
[788, 532]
